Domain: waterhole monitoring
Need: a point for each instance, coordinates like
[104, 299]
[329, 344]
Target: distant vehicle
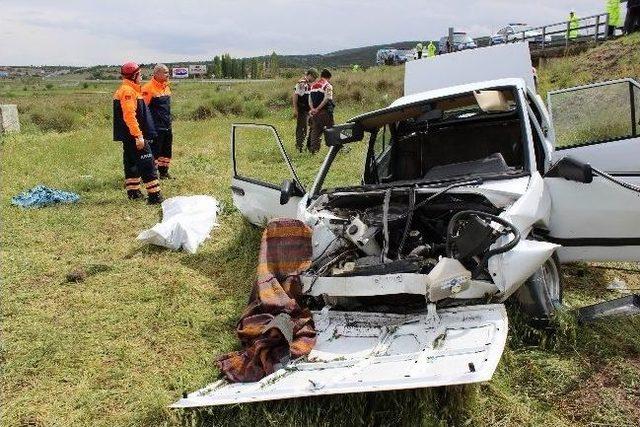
[461, 41]
[513, 33]
[390, 56]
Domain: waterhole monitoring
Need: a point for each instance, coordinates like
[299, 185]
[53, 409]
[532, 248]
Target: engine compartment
[444, 236]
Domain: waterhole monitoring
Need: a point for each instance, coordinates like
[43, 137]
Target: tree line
[226, 67]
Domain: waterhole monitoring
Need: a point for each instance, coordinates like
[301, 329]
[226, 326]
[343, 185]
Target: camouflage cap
[313, 72]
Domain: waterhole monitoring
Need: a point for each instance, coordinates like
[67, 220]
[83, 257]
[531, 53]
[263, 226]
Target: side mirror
[343, 134]
[289, 188]
[572, 170]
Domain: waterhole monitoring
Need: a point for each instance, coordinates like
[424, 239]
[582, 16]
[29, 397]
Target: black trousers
[632, 21]
[302, 125]
[322, 120]
[161, 148]
[139, 164]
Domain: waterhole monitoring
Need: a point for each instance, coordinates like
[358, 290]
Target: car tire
[541, 295]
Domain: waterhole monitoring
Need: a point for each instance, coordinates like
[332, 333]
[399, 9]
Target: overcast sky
[74, 32]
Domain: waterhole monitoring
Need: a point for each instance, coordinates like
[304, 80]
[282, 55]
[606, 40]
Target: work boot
[163, 172]
[134, 194]
[155, 198]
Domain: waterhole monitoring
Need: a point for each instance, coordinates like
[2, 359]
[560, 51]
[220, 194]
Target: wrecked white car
[465, 200]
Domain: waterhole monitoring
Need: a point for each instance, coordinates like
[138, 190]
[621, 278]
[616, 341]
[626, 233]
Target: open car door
[360, 352]
[597, 124]
[264, 183]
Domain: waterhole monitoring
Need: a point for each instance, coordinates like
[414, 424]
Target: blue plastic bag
[41, 196]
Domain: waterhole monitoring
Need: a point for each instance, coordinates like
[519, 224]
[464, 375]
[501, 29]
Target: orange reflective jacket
[130, 114]
[158, 97]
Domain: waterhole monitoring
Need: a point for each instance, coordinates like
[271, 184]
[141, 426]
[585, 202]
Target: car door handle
[237, 190]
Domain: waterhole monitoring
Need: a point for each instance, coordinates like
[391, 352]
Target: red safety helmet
[129, 69]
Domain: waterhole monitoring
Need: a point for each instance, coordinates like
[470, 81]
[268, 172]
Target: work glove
[140, 142]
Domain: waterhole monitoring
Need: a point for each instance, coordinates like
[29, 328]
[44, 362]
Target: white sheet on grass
[186, 223]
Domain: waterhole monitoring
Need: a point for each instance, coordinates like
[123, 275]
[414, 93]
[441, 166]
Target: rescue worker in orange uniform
[133, 126]
[157, 96]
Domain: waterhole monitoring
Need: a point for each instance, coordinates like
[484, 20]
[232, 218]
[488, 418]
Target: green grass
[143, 324]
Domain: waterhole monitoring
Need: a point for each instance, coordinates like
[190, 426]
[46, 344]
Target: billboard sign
[197, 70]
[180, 73]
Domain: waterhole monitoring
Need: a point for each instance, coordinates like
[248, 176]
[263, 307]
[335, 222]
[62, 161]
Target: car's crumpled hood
[362, 352]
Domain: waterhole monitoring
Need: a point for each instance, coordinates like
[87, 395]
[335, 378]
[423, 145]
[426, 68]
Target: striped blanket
[274, 327]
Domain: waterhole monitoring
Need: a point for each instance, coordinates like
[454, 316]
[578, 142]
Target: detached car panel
[361, 352]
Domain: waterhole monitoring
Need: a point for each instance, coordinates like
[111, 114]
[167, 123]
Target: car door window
[382, 143]
[595, 113]
[347, 167]
[258, 156]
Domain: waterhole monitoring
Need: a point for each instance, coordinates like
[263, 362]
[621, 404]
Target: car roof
[453, 90]
[422, 97]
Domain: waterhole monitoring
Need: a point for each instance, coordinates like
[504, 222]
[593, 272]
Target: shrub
[289, 74]
[56, 121]
[85, 85]
[227, 103]
[280, 98]
[255, 109]
[383, 84]
[202, 112]
[49, 86]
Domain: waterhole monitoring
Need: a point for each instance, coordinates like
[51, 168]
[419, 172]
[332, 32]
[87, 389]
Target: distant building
[197, 70]
[4, 74]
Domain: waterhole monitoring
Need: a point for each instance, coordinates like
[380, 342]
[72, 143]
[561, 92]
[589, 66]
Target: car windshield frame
[317, 187]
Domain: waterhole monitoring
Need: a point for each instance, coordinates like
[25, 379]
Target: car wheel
[541, 295]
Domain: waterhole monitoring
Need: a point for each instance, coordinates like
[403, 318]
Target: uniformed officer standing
[574, 25]
[300, 102]
[133, 126]
[157, 95]
[321, 109]
[613, 9]
[431, 50]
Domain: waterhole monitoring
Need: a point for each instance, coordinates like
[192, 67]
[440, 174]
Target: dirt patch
[80, 274]
[611, 392]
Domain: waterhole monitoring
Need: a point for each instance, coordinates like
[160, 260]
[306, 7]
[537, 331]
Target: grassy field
[138, 325]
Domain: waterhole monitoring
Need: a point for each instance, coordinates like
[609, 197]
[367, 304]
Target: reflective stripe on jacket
[158, 97]
[131, 117]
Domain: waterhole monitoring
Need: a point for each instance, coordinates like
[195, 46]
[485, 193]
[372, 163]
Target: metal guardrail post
[606, 27]
[566, 45]
[596, 33]
[544, 36]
